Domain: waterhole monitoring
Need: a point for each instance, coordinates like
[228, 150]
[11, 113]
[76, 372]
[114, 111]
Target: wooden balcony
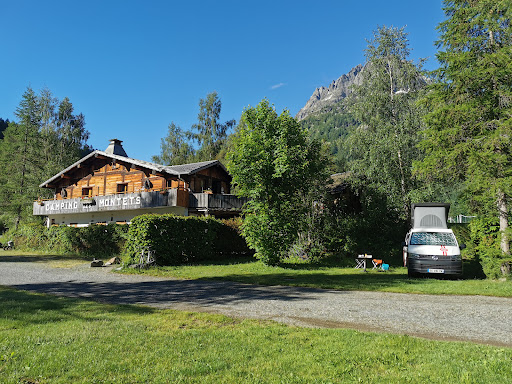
[140, 200]
[208, 201]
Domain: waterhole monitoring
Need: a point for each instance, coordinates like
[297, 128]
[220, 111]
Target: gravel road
[480, 319]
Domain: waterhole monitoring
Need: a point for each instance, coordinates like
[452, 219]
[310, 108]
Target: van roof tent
[430, 215]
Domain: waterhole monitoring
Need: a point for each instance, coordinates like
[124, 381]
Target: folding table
[361, 261]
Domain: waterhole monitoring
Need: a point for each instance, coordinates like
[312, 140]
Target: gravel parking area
[478, 319]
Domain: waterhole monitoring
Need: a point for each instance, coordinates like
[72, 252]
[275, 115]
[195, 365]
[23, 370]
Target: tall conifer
[19, 160]
[46, 138]
[470, 107]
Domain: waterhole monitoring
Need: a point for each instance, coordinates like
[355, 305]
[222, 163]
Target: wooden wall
[106, 181]
[206, 179]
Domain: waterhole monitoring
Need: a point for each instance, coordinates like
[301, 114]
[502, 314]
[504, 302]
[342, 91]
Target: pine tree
[71, 134]
[3, 125]
[41, 143]
[470, 107]
[19, 159]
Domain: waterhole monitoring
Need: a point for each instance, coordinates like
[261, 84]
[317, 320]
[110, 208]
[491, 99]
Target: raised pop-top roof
[430, 215]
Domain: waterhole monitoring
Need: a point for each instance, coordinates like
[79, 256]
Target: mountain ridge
[324, 97]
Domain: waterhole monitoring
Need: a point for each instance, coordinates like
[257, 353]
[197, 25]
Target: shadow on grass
[180, 294]
[13, 257]
[357, 281]
[29, 308]
[234, 260]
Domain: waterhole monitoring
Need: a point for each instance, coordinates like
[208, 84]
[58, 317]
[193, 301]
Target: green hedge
[484, 246]
[179, 239]
[94, 240]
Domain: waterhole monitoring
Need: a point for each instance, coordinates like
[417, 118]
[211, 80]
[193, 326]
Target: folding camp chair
[377, 263]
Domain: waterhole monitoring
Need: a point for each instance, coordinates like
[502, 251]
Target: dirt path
[469, 318]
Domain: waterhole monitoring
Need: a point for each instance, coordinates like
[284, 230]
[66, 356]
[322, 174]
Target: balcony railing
[139, 200]
[216, 201]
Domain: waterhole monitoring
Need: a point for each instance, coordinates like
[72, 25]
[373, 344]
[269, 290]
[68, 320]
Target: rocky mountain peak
[336, 91]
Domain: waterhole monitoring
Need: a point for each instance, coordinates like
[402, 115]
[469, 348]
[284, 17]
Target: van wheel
[411, 273]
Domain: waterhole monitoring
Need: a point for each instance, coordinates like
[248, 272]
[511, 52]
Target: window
[87, 192]
[122, 187]
[148, 184]
[433, 238]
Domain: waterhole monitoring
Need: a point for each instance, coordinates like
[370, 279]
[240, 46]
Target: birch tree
[383, 147]
[174, 148]
[209, 133]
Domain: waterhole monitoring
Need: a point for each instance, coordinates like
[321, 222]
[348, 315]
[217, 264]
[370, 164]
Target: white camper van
[430, 247]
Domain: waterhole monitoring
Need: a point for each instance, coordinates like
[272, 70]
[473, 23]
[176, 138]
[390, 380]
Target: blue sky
[132, 67]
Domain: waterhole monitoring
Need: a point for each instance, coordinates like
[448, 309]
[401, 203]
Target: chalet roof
[189, 169]
[174, 170]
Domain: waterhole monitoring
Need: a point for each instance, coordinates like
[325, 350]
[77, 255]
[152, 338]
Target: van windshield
[433, 238]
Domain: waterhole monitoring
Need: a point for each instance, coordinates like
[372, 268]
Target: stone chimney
[115, 148]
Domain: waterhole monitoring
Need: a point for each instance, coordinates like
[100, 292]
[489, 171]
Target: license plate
[435, 270]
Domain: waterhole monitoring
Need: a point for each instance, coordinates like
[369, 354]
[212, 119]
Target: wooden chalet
[109, 187]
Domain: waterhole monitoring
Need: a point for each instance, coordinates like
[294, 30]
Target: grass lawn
[330, 277]
[44, 339]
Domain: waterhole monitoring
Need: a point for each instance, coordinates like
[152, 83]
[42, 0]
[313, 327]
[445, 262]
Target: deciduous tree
[276, 165]
[209, 133]
[174, 148]
[382, 149]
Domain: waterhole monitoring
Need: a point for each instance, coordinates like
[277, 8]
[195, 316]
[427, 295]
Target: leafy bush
[472, 266]
[179, 239]
[29, 236]
[306, 249]
[484, 246]
[62, 239]
[228, 239]
[97, 240]
[361, 221]
[100, 239]
[462, 232]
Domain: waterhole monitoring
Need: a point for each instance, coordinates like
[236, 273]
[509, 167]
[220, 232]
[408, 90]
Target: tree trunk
[503, 215]
[402, 184]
